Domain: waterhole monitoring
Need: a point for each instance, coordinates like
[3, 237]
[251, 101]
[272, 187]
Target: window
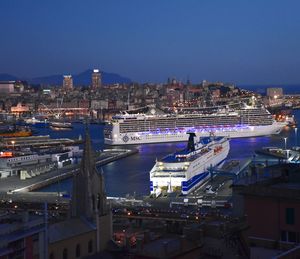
[90, 246]
[65, 253]
[290, 216]
[292, 237]
[77, 250]
[283, 236]
[288, 236]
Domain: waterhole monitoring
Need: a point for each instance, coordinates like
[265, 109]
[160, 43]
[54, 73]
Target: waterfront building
[68, 82]
[89, 228]
[19, 108]
[96, 79]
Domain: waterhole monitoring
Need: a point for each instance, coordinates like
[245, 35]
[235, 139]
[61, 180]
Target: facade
[7, 87]
[22, 236]
[19, 108]
[68, 82]
[272, 208]
[96, 79]
[275, 93]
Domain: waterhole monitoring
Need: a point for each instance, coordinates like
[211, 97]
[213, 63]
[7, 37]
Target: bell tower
[89, 197]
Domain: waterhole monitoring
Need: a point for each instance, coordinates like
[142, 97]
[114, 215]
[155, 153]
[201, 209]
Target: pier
[15, 188]
[36, 141]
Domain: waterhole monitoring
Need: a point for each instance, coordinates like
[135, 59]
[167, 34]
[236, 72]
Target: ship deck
[182, 155]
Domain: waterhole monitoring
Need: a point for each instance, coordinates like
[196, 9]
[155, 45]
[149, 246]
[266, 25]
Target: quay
[36, 141]
[219, 194]
[11, 186]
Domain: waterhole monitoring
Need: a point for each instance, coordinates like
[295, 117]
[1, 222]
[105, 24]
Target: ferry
[151, 125]
[15, 132]
[185, 170]
[61, 125]
[37, 122]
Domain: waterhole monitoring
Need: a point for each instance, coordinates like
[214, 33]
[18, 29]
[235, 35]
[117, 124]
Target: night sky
[244, 42]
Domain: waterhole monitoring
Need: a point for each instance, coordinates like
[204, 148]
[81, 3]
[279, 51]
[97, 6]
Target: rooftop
[69, 228]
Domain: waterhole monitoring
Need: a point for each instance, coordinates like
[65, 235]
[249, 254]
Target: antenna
[128, 98]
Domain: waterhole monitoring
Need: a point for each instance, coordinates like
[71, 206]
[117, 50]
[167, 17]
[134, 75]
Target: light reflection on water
[131, 174]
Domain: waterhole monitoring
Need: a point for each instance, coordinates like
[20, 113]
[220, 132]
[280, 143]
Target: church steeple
[88, 198]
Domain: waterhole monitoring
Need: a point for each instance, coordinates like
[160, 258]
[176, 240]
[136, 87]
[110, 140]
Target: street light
[285, 143]
[13, 143]
[296, 136]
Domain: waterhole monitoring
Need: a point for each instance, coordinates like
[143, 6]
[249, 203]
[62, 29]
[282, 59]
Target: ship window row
[199, 126]
[174, 135]
[158, 174]
[22, 158]
[187, 123]
[181, 120]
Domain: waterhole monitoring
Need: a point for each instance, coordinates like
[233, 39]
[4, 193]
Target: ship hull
[162, 137]
[196, 174]
[61, 125]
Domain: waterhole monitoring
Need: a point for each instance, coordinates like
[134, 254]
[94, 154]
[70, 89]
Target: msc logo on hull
[133, 138]
[125, 138]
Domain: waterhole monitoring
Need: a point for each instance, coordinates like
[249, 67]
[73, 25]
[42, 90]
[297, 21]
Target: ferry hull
[196, 174]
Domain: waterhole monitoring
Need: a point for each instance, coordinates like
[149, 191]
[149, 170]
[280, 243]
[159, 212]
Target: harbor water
[131, 175]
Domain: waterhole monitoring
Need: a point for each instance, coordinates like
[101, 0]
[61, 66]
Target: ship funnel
[191, 142]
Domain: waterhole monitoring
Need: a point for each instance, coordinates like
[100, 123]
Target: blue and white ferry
[185, 170]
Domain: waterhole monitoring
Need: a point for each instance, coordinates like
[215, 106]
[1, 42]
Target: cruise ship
[185, 170]
[150, 125]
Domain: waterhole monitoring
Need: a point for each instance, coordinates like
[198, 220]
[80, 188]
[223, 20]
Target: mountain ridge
[80, 79]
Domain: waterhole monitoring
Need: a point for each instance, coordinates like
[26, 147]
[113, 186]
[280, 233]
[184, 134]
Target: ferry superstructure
[153, 127]
[185, 170]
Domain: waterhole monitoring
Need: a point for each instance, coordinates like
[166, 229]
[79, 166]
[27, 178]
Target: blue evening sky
[239, 41]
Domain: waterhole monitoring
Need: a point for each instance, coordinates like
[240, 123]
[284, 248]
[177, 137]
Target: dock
[15, 188]
[36, 141]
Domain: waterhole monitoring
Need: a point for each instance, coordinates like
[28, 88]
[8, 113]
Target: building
[272, 208]
[7, 87]
[274, 93]
[68, 82]
[96, 79]
[89, 228]
[22, 236]
[19, 108]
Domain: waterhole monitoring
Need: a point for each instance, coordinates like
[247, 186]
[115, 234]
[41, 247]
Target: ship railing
[177, 169]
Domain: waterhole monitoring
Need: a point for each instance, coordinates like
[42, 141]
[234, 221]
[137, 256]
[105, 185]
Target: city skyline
[241, 42]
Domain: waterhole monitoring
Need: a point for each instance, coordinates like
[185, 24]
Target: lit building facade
[68, 82]
[96, 79]
[274, 93]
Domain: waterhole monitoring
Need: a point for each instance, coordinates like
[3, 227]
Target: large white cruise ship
[184, 170]
[151, 125]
